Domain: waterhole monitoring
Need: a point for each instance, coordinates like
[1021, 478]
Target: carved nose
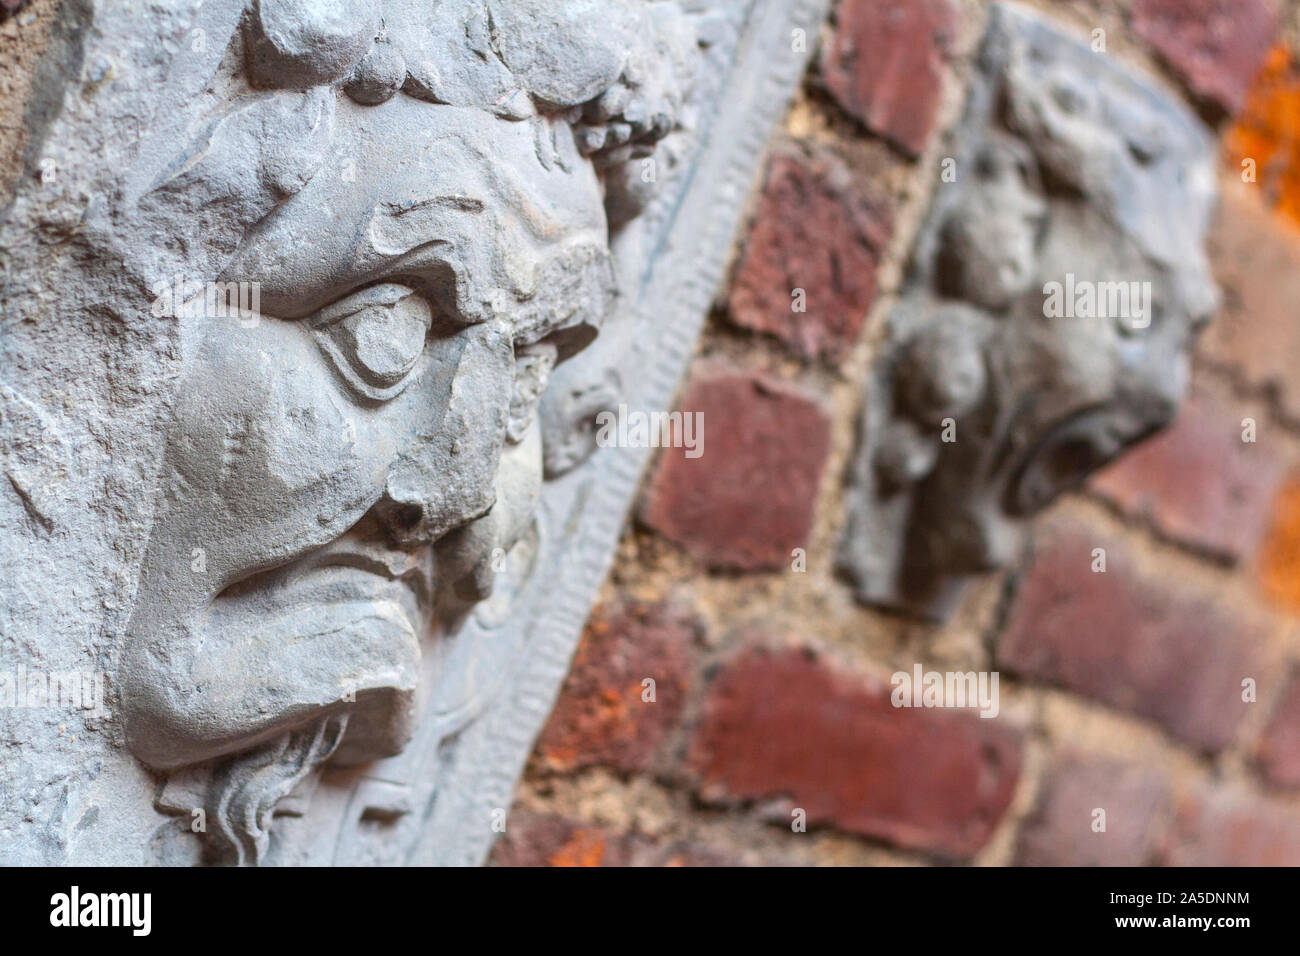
[399, 520]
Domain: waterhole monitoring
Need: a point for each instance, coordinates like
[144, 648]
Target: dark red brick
[1142, 645]
[1279, 747]
[1230, 828]
[1215, 46]
[1060, 830]
[539, 839]
[600, 718]
[813, 232]
[748, 500]
[783, 724]
[883, 65]
[1198, 482]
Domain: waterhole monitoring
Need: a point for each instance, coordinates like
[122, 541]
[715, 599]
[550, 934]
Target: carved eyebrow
[451, 201]
[398, 228]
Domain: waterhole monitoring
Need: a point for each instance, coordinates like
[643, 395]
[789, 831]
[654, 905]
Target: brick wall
[1125, 691]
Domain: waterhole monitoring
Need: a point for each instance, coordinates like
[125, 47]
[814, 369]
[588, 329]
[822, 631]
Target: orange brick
[1279, 557]
[584, 848]
[1268, 131]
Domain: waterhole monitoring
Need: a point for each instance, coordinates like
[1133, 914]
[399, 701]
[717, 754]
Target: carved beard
[374, 587]
[361, 588]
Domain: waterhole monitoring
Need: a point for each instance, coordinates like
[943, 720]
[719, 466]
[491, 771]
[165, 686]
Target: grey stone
[1070, 168]
[307, 310]
[307, 42]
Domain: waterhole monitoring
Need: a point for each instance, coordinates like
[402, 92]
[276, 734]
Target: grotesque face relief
[410, 202]
[1045, 323]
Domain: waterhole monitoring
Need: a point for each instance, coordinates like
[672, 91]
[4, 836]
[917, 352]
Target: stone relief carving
[303, 340]
[351, 461]
[1044, 325]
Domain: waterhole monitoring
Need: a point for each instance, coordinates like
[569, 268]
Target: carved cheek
[265, 450]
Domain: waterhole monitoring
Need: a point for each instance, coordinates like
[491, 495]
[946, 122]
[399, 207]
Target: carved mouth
[405, 573]
[355, 567]
[338, 628]
[1068, 454]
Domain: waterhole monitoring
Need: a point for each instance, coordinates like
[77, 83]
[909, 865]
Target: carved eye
[375, 337]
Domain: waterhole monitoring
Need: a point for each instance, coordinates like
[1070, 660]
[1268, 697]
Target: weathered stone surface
[784, 725]
[1198, 482]
[1065, 829]
[1140, 644]
[1005, 381]
[607, 715]
[1215, 46]
[808, 271]
[747, 501]
[284, 288]
[292, 43]
[883, 65]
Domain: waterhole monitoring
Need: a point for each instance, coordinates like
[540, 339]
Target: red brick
[1256, 258]
[1060, 830]
[1141, 645]
[883, 65]
[1221, 828]
[600, 717]
[1215, 46]
[783, 724]
[1279, 747]
[1198, 482]
[539, 839]
[814, 232]
[748, 500]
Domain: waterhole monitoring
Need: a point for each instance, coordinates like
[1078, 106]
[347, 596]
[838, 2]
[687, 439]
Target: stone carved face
[1074, 173]
[418, 192]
